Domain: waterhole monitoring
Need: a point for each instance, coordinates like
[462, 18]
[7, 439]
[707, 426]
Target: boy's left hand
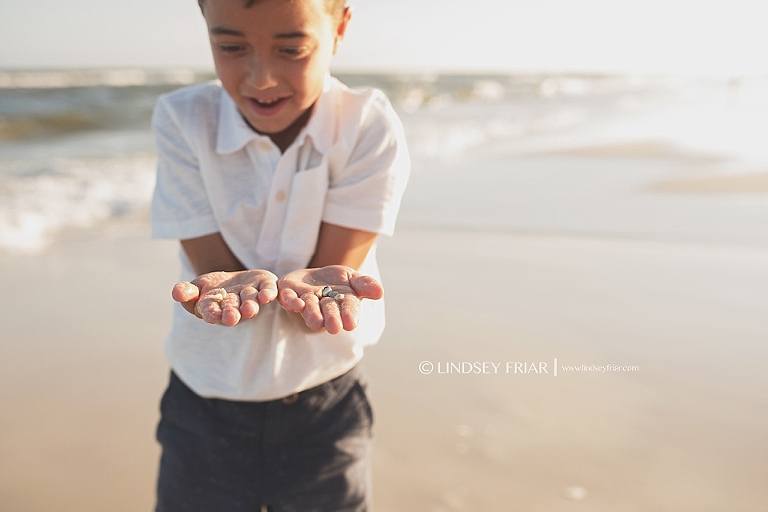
[299, 293]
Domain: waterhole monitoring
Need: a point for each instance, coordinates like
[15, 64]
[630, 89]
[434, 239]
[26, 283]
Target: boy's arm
[210, 253]
[340, 252]
[337, 245]
[224, 291]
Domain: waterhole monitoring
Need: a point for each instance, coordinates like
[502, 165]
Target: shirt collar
[321, 127]
[234, 133]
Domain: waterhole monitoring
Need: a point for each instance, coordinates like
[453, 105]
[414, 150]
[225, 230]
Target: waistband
[345, 380]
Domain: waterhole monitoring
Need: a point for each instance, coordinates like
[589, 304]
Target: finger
[230, 309]
[184, 291]
[209, 310]
[331, 315]
[249, 307]
[366, 287]
[267, 291]
[290, 300]
[350, 312]
[313, 317]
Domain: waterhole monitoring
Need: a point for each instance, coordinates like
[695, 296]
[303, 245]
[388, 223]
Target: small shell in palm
[327, 291]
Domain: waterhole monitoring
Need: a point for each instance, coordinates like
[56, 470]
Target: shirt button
[265, 146]
[280, 196]
[291, 399]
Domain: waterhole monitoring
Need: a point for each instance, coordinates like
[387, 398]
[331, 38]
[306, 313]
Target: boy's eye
[293, 51]
[229, 48]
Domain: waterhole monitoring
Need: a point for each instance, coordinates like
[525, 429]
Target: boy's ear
[341, 28]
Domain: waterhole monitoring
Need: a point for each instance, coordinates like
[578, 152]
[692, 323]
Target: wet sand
[751, 183]
[81, 376]
[82, 371]
[686, 431]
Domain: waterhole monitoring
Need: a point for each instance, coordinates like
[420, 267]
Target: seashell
[218, 294]
[339, 296]
[332, 294]
[326, 291]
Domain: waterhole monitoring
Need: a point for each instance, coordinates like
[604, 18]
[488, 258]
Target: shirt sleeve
[180, 205]
[366, 193]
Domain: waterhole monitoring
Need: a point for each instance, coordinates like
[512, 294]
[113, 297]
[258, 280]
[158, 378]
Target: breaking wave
[38, 202]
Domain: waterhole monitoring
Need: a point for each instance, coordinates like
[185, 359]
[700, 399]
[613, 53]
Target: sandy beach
[81, 376]
[686, 431]
[82, 371]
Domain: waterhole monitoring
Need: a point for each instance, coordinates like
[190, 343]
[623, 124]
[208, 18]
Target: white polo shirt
[348, 166]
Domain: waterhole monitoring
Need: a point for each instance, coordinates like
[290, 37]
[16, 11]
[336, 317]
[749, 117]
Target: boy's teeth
[270, 102]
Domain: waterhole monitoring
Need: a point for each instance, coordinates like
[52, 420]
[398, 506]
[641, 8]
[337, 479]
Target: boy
[279, 172]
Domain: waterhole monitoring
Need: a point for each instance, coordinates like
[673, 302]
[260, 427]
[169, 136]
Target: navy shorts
[303, 453]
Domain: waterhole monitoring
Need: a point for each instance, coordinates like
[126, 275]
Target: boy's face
[272, 58]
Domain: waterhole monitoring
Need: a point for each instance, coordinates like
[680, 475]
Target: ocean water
[574, 154]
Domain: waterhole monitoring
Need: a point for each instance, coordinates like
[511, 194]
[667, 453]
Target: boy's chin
[267, 128]
[274, 127]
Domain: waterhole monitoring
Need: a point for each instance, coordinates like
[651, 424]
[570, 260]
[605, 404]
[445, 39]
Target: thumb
[184, 291]
[366, 287]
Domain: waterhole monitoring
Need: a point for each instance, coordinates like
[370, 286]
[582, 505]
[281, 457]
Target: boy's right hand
[226, 297]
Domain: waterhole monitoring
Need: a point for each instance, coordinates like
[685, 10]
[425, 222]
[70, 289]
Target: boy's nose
[260, 75]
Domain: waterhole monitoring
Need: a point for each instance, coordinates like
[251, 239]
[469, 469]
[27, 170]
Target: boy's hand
[226, 297]
[301, 292]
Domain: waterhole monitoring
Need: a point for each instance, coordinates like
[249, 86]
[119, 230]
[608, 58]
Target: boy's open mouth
[266, 107]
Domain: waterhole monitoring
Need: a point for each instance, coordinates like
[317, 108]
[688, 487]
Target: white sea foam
[565, 86]
[725, 119]
[35, 204]
[707, 117]
[458, 128]
[443, 141]
[488, 90]
[455, 126]
[107, 77]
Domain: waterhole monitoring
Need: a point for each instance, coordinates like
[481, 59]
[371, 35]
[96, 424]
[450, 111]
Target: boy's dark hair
[334, 7]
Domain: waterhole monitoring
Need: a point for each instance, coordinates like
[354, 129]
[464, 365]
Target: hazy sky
[657, 36]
